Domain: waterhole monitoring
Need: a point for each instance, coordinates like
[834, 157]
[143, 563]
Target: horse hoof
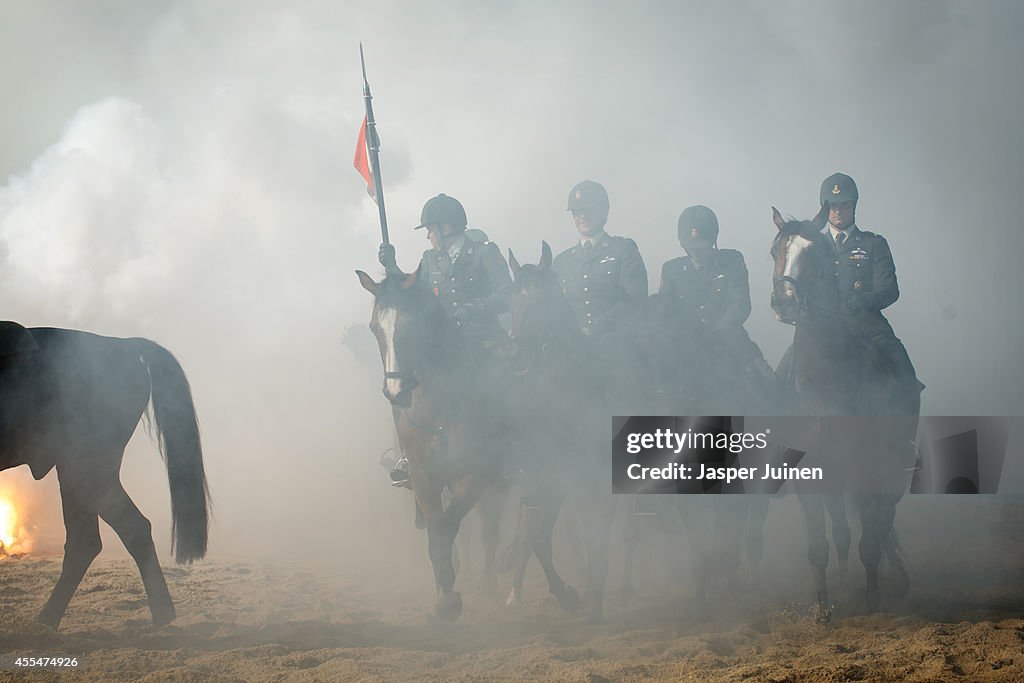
[873, 598]
[163, 615]
[594, 608]
[449, 606]
[46, 618]
[568, 599]
[512, 598]
[823, 614]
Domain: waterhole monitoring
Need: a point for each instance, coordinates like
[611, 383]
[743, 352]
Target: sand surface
[292, 620]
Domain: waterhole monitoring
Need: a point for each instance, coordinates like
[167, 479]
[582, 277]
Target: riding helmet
[587, 195]
[698, 227]
[838, 188]
[442, 209]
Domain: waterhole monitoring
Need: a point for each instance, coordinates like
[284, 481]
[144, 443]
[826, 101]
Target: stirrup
[909, 457]
[400, 473]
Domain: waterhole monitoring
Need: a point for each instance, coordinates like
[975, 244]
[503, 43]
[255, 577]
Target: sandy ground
[287, 620]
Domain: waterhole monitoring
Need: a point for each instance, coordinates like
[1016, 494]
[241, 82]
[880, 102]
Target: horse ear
[819, 220]
[545, 256]
[410, 279]
[513, 264]
[367, 282]
[777, 218]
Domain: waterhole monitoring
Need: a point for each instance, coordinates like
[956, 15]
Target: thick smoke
[182, 171]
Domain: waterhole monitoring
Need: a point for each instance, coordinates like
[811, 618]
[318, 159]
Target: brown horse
[72, 402]
[446, 413]
[837, 377]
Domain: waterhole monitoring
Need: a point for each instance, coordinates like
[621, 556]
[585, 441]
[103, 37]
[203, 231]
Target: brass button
[585, 276]
[586, 289]
[587, 302]
[856, 285]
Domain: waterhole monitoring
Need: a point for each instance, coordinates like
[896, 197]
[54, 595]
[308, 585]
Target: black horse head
[411, 328]
[541, 315]
[797, 252]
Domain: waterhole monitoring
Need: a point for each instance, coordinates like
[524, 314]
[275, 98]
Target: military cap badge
[693, 233]
[836, 190]
[579, 194]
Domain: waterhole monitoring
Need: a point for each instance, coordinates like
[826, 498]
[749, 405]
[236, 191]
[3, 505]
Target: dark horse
[444, 398]
[838, 377]
[565, 392]
[690, 376]
[72, 400]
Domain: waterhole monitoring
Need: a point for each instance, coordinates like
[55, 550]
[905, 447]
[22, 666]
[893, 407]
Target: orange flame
[14, 540]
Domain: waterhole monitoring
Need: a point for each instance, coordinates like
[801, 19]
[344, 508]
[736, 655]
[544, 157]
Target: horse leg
[547, 513]
[898, 577]
[730, 513]
[630, 540]
[596, 530]
[441, 532]
[522, 548]
[83, 544]
[841, 538]
[876, 523]
[573, 522]
[489, 509]
[758, 513]
[697, 520]
[817, 552]
[117, 509]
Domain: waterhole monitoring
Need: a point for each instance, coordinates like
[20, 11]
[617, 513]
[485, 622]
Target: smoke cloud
[182, 171]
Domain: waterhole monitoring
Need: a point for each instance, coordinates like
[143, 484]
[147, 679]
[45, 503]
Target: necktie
[588, 248]
[840, 238]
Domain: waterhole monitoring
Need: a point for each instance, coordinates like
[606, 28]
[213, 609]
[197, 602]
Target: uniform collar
[456, 248]
[850, 231]
[594, 241]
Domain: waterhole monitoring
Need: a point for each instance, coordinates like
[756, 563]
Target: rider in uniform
[605, 281]
[469, 277]
[865, 277]
[706, 297]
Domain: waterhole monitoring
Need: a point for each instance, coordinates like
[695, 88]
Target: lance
[373, 146]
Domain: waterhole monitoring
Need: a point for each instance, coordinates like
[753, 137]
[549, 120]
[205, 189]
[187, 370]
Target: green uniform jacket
[479, 276]
[607, 287]
[712, 298]
[865, 278]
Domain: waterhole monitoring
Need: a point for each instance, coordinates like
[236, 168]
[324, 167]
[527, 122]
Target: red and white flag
[362, 161]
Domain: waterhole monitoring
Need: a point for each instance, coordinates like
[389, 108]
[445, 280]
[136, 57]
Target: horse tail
[177, 431]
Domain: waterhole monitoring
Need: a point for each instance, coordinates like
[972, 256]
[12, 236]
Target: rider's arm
[736, 307]
[498, 277]
[884, 288]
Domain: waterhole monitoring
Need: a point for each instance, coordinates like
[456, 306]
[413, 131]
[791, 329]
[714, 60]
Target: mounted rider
[469, 277]
[605, 281]
[865, 277]
[705, 296]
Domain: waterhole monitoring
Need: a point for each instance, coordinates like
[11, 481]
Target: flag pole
[373, 146]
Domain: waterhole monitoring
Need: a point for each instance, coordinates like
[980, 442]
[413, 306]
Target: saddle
[903, 400]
